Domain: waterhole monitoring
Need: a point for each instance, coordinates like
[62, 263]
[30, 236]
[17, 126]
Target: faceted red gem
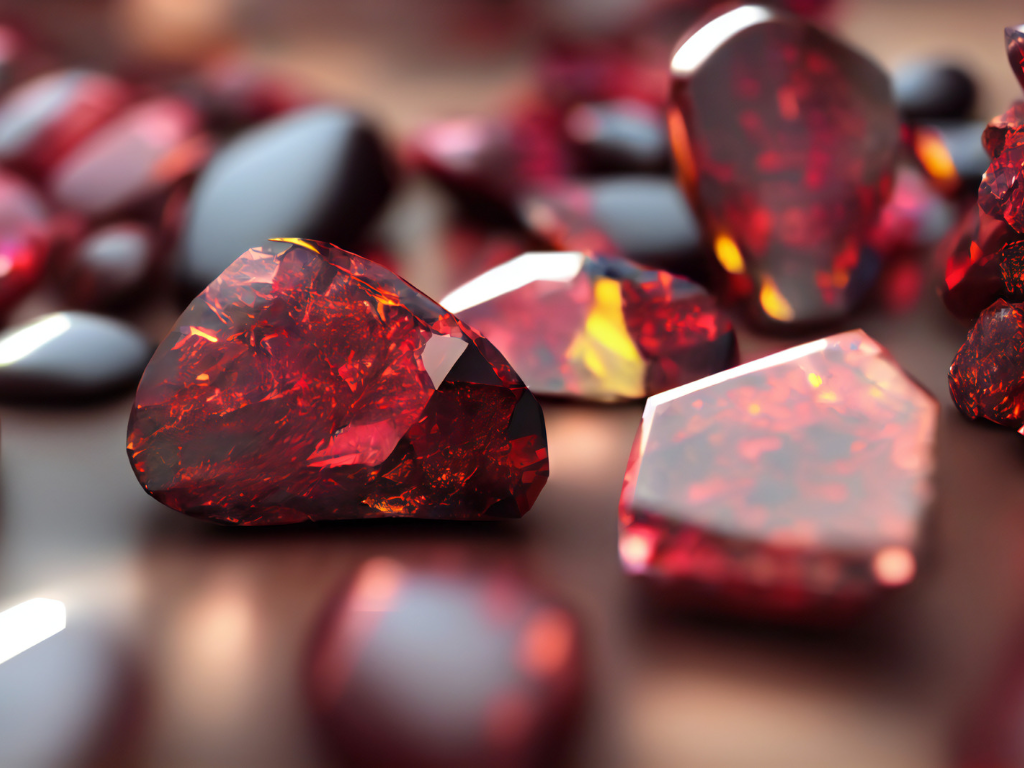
[596, 327]
[787, 140]
[445, 667]
[794, 486]
[44, 118]
[1004, 130]
[315, 384]
[132, 159]
[1015, 51]
[986, 379]
[1001, 193]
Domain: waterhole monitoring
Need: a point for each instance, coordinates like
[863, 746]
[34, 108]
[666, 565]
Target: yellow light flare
[729, 255]
[203, 377]
[604, 348]
[295, 241]
[774, 303]
[814, 380]
[193, 331]
[934, 157]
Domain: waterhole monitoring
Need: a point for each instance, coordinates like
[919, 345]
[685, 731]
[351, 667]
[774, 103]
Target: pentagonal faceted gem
[314, 384]
[598, 328]
[787, 141]
[794, 486]
[447, 667]
[986, 379]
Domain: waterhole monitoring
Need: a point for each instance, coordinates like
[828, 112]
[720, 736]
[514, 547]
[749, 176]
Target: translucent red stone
[46, 117]
[596, 327]
[986, 378]
[315, 384]
[132, 159]
[1015, 51]
[445, 666]
[787, 140]
[795, 486]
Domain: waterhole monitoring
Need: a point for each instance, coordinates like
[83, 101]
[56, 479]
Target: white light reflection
[785, 356]
[24, 342]
[706, 40]
[28, 624]
[555, 266]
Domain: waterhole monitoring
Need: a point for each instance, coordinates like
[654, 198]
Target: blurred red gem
[46, 117]
[795, 486]
[913, 218]
[787, 141]
[108, 267]
[25, 239]
[418, 667]
[132, 159]
[233, 93]
[598, 328]
[1015, 51]
[986, 379]
[315, 384]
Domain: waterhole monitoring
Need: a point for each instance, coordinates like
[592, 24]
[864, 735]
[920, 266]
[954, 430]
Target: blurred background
[188, 644]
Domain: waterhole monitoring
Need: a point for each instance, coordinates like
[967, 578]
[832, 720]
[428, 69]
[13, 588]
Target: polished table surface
[211, 623]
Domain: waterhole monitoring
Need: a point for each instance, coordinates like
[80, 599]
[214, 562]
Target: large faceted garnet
[795, 486]
[787, 141]
[315, 384]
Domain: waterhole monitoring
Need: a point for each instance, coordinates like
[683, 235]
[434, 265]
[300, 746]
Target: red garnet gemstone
[795, 486]
[315, 384]
[445, 668]
[1004, 130]
[1015, 51]
[786, 139]
[596, 328]
[44, 118]
[986, 379]
[25, 239]
[132, 159]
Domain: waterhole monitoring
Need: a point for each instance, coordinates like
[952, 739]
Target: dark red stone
[132, 160]
[1004, 130]
[787, 141]
[986, 379]
[46, 117]
[487, 162]
[796, 486]
[445, 667]
[315, 384]
[596, 327]
[1015, 50]
[108, 267]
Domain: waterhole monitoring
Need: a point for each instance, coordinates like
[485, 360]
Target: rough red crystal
[132, 159]
[1004, 130]
[794, 486]
[1015, 51]
[596, 327]
[44, 118]
[315, 384]
[786, 139]
[986, 379]
[446, 666]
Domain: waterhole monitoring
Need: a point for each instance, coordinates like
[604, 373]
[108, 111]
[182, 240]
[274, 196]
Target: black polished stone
[70, 356]
[320, 173]
[618, 136]
[108, 267]
[933, 90]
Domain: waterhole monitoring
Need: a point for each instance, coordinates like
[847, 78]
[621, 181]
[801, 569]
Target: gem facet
[786, 139]
[445, 667]
[598, 328]
[796, 485]
[315, 384]
[320, 172]
[986, 379]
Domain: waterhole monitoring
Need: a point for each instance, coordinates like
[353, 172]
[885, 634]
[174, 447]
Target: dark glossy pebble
[618, 136]
[643, 217]
[66, 356]
[320, 173]
[951, 154]
[933, 90]
[421, 668]
[132, 160]
[65, 698]
[108, 267]
[44, 118]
